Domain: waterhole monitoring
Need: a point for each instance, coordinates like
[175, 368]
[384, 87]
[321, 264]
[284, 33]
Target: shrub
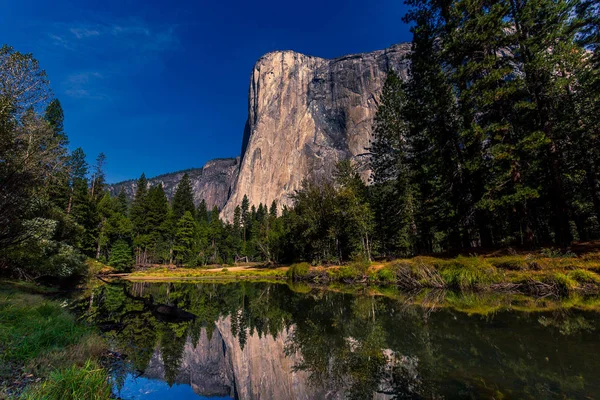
[563, 283]
[360, 264]
[418, 275]
[348, 273]
[386, 275]
[467, 272]
[584, 276]
[89, 382]
[554, 253]
[298, 271]
[120, 256]
[513, 263]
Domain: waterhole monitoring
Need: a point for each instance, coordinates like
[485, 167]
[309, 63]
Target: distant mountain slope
[211, 182]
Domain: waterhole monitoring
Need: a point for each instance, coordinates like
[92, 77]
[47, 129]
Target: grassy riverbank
[45, 353]
[539, 274]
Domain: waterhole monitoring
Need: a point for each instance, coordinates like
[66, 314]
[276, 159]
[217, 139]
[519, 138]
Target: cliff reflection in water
[267, 341]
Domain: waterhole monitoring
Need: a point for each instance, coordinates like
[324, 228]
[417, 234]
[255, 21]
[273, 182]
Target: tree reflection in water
[358, 346]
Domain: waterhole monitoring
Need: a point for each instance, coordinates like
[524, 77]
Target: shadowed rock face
[211, 182]
[304, 114]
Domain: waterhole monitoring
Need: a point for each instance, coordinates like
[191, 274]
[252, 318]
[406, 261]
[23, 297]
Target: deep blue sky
[160, 86]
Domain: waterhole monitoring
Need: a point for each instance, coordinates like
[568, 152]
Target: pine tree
[54, 115]
[245, 217]
[185, 238]
[215, 234]
[78, 169]
[391, 192]
[273, 209]
[139, 206]
[98, 177]
[159, 224]
[123, 203]
[183, 199]
[120, 256]
[138, 215]
[202, 213]
[434, 145]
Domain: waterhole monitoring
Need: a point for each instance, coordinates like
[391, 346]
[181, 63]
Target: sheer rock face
[262, 370]
[305, 114]
[211, 182]
[204, 366]
[220, 367]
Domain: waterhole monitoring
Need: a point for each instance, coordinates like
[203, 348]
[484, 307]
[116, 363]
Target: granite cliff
[262, 369]
[304, 114]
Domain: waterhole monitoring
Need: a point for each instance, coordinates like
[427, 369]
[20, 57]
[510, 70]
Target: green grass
[584, 276]
[534, 273]
[74, 383]
[197, 273]
[28, 331]
[39, 336]
[467, 272]
[298, 271]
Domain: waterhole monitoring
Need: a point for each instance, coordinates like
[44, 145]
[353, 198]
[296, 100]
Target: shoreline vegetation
[45, 351]
[63, 358]
[544, 273]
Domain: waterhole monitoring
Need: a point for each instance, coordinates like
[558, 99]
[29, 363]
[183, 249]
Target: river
[250, 340]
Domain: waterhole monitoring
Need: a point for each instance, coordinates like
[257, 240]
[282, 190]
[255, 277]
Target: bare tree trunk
[70, 201]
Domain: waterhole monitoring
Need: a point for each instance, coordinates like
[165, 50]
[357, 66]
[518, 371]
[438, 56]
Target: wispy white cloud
[84, 85]
[59, 41]
[106, 51]
[81, 33]
[130, 33]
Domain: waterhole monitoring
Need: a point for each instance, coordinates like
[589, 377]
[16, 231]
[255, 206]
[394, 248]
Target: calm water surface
[271, 341]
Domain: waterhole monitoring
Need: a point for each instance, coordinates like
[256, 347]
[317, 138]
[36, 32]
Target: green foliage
[298, 271]
[31, 327]
[467, 272]
[360, 264]
[183, 199]
[563, 282]
[120, 256]
[89, 382]
[386, 275]
[555, 253]
[584, 276]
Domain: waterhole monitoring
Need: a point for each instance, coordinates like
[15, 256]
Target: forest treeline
[492, 141]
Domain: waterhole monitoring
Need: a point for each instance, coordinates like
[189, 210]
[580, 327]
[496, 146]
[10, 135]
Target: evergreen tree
[98, 177]
[202, 212]
[158, 220]
[391, 191]
[139, 206]
[120, 256]
[245, 217]
[185, 238]
[54, 115]
[183, 199]
[432, 137]
[123, 202]
[77, 169]
[215, 235]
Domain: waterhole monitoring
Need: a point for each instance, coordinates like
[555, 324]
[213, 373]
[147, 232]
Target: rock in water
[305, 114]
